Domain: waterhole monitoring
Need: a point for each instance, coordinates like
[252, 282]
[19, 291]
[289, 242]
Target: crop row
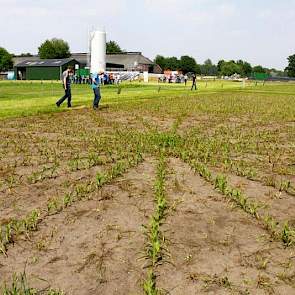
[14, 228]
[285, 233]
[155, 248]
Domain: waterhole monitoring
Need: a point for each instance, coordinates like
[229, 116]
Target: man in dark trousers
[194, 82]
[96, 89]
[66, 81]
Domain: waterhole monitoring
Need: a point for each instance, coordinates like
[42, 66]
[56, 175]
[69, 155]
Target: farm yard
[161, 191]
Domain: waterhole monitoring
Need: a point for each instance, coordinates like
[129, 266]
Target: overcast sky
[259, 31]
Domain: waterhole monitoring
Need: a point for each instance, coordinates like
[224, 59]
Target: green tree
[172, 63]
[208, 68]
[26, 54]
[259, 69]
[198, 69]
[187, 64]
[113, 47]
[229, 68]
[161, 61]
[245, 68]
[219, 64]
[290, 69]
[6, 62]
[54, 48]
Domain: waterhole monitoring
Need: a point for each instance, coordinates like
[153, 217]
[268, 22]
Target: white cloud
[260, 31]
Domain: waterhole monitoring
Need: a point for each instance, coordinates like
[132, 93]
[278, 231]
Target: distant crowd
[104, 79]
[179, 78]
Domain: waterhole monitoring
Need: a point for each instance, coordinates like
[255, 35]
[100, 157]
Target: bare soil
[214, 247]
[97, 245]
[93, 247]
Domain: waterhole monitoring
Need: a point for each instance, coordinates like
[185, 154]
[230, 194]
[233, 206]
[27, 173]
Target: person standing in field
[185, 79]
[194, 82]
[96, 90]
[66, 81]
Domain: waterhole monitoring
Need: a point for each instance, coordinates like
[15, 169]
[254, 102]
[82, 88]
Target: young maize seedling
[288, 235]
[149, 285]
[68, 200]
[31, 221]
[20, 286]
[101, 179]
[221, 183]
[54, 206]
[271, 225]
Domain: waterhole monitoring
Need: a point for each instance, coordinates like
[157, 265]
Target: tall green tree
[6, 62]
[208, 68]
[229, 68]
[54, 48]
[219, 64]
[187, 64]
[290, 69]
[167, 63]
[172, 63]
[114, 47]
[245, 68]
[259, 69]
[161, 61]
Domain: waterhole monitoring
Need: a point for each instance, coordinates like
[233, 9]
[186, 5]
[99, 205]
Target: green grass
[26, 98]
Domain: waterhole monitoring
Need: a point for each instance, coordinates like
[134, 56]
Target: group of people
[96, 80]
[105, 79]
[179, 79]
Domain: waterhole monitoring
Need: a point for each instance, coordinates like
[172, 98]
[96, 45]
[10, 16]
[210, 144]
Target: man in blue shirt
[96, 90]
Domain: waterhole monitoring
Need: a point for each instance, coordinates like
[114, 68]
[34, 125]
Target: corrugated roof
[45, 62]
[130, 60]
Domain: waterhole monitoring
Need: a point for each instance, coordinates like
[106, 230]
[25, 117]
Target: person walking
[66, 81]
[194, 82]
[96, 90]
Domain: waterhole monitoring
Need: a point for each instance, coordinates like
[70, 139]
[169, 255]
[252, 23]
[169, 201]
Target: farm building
[43, 69]
[128, 61]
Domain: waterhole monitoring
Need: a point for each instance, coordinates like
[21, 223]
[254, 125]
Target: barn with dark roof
[34, 68]
[43, 69]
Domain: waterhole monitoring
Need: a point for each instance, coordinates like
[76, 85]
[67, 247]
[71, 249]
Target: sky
[259, 31]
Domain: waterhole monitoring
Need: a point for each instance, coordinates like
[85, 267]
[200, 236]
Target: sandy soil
[96, 246]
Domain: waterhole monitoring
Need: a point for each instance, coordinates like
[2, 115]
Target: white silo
[97, 51]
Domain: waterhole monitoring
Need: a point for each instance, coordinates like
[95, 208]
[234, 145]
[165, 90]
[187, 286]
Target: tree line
[188, 64]
[58, 48]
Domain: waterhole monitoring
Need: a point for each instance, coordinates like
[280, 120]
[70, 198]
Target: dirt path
[93, 247]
